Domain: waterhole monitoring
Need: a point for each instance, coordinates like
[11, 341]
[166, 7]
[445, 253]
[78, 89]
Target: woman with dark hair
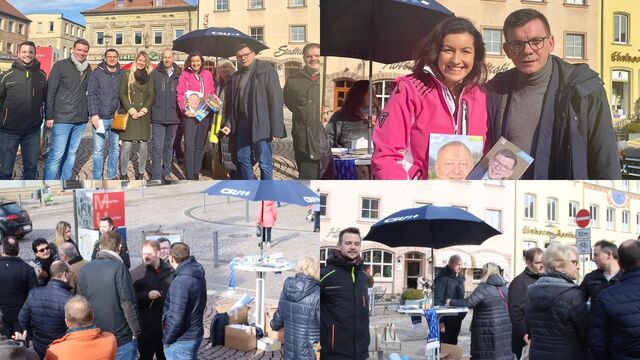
[443, 95]
[350, 122]
[194, 86]
[136, 97]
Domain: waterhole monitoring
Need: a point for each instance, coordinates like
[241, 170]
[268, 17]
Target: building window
[573, 210]
[137, 37]
[625, 221]
[378, 263]
[529, 206]
[575, 2]
[492, 41]
[638, 223]
[119, 3]
[157, 37]
[222, 5]
[493, 218]
[552, 206]
[257, 33]
[574, 46]
[620, 93]
[66, 28]
[611, 219]
[382, 90]
[323, 204]
[593, 214]
[50, 26]
[9, 47]
[620, 28]
[325, 254]
[64, 50]
[158, 2]
[298, 33]
[625, 185]
[296, 3]
[39, 27]
[178, 33]
[369, 209]
[21, 29]
[10, 26]
[256, 4]
[119, 35]
[100, 37]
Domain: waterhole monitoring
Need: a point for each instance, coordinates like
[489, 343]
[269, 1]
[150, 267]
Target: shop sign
[621, 76]
[285, 50]
[535, 231]
[617, 56]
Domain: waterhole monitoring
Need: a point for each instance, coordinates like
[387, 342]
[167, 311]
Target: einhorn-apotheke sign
[618, 56]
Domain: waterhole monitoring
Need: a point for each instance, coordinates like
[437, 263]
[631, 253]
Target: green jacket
[136, 96]
[302, 97]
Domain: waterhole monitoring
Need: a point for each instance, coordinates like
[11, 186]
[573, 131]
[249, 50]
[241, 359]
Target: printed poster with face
[452, 157]
[504, 161]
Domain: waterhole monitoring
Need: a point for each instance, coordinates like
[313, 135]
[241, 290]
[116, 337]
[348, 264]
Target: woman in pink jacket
[194, 84]
[442, 96]
[267, 216]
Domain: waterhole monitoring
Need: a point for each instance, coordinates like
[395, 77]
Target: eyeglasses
[501, 166]
[536, 44]
[242, 56]
[43, 249]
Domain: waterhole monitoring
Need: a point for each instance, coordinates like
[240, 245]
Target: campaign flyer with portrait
[452, 157]
[504, 161]
[201, 107]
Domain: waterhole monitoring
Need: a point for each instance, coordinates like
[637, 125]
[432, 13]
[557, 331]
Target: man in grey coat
[255, 114]
[164, 116]
[67, 111]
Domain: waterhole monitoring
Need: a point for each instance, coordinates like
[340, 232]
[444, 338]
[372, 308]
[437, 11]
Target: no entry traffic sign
[583, 218]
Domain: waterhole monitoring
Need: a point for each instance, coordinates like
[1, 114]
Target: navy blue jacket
[185, 303]
[615, 330]
[165, 106]
[43, 314]
[104, 91]
[299, 313]
[17, 279]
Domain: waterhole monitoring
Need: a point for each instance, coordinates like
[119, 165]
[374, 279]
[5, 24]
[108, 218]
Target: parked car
[14, 220]
[630, 156]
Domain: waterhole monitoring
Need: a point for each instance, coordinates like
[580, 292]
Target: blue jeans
[65, 140]
[263, 153]
[98, 151]
[30, 147]
[128, 351]
[182, 350]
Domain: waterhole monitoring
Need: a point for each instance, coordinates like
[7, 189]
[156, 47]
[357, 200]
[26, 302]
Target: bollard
[215, 249]
[246, 211]
[19, 200]
[204, 202]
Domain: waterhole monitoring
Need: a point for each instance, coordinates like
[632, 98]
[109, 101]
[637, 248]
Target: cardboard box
[237, 316]
[240, 337]
[268, 345]
[275, 335]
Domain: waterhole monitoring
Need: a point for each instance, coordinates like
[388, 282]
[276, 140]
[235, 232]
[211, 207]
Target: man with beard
[344, 308]
[43, 260]
[151, 281]
[518, 297]
[302, 97]
[22, 93]
[104, 100]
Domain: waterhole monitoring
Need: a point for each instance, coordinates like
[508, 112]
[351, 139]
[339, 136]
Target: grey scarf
[81, 66]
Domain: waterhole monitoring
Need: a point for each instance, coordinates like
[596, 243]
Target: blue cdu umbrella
[431, 226]
[287, 191]
[220, 42]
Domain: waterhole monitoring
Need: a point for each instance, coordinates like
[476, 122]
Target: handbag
[258, 231]
[120, 121]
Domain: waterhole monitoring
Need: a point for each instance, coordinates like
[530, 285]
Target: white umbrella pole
[370, 117]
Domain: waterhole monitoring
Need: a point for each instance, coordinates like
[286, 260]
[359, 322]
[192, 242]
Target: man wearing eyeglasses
[255, 115]
[555, 111]
[499, 167]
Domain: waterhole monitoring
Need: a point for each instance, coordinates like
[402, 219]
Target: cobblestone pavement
[284, 164]
[180, 206]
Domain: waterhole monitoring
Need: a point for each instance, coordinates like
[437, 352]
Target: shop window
[620, 95]
[326, 253]
[382, 90]
[378, 263]
[340, 90]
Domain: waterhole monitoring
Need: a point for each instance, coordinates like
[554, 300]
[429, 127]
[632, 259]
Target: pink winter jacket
[417, 108]
[188, 81]
[267, 217]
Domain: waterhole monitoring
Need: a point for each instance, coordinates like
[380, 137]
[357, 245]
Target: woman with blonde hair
[556, 311]
[299, 311]
[136, 97]
[491, 325]
[63, 234]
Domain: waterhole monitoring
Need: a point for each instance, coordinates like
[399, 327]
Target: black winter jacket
[594, 282]
[124, 251]
[299, 313]
[185, 303]
[107, 284]
[575, 136]
[67, 93]
[615, 325]
[43, 314]
[517, 300]
[447, 285]
[164, 109]
[23, 90]
[490, 326]
[17, 278]
[302, 97]
[104, 91]
[146, 279]
[344, 305]
[557, 319]
[263, 95]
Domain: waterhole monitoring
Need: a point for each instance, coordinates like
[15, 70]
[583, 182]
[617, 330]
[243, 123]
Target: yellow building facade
[621, 58]
[55, 31]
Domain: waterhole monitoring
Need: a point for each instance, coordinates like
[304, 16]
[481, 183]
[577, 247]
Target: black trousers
[452, 325]
[195, 138]
[307, 169]
[148, 348]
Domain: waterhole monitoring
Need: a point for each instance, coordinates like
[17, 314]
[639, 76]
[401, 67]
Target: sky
[70, 8]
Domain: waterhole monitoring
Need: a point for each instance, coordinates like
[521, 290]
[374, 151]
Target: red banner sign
[108, 204]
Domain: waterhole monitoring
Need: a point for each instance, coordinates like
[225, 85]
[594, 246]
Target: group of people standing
[157, 103]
